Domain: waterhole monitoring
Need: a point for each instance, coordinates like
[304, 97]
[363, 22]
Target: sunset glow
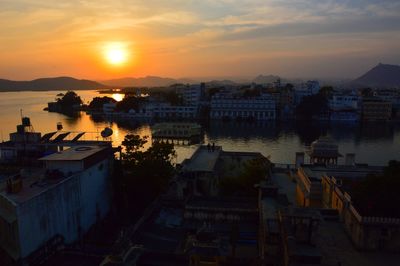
[116, 54]
[94, 39]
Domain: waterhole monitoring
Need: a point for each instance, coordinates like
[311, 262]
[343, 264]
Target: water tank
[59, 126]
[107, 132]
[26, 122]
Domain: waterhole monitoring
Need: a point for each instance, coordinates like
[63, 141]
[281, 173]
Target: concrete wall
[68, 209]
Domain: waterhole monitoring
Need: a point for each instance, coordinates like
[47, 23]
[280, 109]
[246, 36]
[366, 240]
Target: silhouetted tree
[147, 173]
[377, 195]
[130, 102]
[69, 99]
[326, 91]
[312, 105]
[98, 102]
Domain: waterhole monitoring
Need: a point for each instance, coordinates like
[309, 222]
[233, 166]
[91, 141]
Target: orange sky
[187, 38]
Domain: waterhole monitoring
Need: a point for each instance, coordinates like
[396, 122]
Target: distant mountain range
[149, 81]
[261, 79]
[380, 76]
[44, 84]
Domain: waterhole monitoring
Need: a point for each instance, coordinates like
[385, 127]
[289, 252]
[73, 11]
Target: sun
[116, 54]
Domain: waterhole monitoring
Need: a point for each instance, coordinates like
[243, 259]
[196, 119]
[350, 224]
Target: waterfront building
[309, 88]
[340, 101]
[168, 111]
[42, 209]
[191, 94]
[375, 109]
[389, 95]
[228, 106]
[345, 116]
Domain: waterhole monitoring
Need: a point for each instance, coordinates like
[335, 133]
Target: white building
[309, 88]
[191, 94]
[166, 110]
[228, 106]
[343, 102]
[62, 200]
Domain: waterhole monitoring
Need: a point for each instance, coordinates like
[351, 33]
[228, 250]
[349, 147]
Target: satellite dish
[107, 132]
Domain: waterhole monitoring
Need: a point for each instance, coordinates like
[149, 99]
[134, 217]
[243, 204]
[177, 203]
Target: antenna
[20, 110]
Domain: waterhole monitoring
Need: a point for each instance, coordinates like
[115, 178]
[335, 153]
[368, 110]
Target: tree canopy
[378, 195]
[69, 99]
[312, 105]
[98, 102]
[253, 172]
[130, 102]
[146, 173]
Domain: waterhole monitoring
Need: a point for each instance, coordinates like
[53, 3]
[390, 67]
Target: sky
[203, 38]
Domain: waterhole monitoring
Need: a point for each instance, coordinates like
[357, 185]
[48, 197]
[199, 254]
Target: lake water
[373, 143]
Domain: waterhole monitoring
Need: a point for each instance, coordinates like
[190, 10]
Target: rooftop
[340, 171]
[34, 183]
[203, 160]
[74, 154]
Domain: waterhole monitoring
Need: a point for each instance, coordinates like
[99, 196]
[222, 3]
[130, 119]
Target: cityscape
[200, 133]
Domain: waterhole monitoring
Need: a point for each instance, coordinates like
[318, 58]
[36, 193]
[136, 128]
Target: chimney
[350, 158]
[299, 159]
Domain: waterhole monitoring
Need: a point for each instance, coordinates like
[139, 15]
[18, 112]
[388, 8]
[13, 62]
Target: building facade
[230, 107]
[62, 201]
[375, 109]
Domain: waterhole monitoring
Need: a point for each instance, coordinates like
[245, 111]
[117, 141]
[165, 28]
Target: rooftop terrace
[73, 154]
[203, 160]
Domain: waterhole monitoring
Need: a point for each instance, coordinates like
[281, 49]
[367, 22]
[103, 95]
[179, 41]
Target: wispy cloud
[201, 31]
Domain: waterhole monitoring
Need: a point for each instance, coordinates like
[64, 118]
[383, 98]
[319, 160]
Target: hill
[149, 81]
[44, 84]
[381, 76]
[261, 79]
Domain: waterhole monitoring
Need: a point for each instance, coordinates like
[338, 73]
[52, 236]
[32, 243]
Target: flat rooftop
[73, 154]
[33, 185]
[203, 159]
[340, 171]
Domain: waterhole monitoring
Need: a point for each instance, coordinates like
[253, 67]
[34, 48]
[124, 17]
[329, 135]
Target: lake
[375, 143]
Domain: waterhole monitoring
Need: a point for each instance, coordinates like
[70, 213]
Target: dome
[324, 147]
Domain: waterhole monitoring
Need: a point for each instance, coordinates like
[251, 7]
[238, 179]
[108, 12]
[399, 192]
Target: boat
[176, 131]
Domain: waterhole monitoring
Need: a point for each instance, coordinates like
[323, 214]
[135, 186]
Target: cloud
[219, 29]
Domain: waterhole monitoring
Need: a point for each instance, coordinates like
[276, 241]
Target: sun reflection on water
[118, 96]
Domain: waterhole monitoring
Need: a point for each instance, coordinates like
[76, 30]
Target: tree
[130, 102]
[98, 102]
[377, 195]
[312, 105]
[146, 173]
[69, 100]
[326, 91]
[367, 92]
[133, 149]
[172, 97]
[254, 171]
[249, 93]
